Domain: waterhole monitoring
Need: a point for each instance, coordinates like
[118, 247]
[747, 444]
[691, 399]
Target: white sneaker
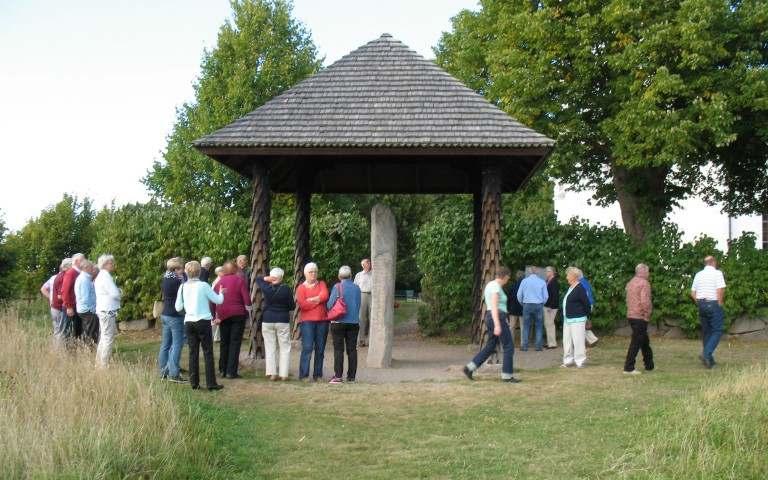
[633, 372]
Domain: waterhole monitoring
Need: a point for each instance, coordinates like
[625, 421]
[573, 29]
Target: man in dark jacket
[515, 308]
[551, 306]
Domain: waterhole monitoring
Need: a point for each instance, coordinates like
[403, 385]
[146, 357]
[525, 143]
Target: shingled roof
[382, 95]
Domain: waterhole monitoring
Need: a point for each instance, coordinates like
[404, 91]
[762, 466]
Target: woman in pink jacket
[231, 316]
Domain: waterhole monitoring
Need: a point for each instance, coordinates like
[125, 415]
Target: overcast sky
[88, 89]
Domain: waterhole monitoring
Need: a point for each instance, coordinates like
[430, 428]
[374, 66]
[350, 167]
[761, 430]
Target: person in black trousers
[193, 298]
[230, 317]
[344, 328]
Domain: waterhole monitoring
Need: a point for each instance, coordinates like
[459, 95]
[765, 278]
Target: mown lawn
[558, 423]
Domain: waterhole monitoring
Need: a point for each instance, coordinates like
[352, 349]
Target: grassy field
[680, 421]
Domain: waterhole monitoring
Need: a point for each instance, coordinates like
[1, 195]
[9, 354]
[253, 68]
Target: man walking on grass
[639, 308]
[708, 291]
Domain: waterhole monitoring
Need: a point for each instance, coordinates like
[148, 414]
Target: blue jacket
[532, 290]
[588, 290]
[85, 293]
[351, 293]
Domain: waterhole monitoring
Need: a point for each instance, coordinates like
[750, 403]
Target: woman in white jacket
[107, 305]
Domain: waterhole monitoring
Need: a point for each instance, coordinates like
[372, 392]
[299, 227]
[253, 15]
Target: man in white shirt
[708, 291]
[364, 280]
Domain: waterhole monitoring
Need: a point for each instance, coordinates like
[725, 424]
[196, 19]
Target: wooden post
[260, 218]
[490, 229]
[477, 278]
[301, 235]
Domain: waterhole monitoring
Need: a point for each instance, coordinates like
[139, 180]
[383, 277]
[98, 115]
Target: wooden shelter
[382, 119]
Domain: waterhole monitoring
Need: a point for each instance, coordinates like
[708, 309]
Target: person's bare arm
[721, 296]
[46, 293]
[495, 314]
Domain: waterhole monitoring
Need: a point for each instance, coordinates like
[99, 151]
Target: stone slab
[135, 325]
[384, 260]
[746, 325]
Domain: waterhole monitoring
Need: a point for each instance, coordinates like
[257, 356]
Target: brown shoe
[283, 379]
[274, 378]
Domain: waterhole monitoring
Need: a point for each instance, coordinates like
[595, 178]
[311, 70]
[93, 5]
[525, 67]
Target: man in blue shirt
[532, 294]
[85, 298]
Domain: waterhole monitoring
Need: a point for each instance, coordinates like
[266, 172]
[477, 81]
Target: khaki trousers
[365, 319]
[574, 348]
[549, 326]
[107, 334]
[277, 337]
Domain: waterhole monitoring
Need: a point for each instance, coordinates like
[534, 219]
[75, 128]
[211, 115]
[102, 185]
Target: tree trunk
[302, 252]
[261, 210]
[477, 278]
[642, 198]
[490, 249]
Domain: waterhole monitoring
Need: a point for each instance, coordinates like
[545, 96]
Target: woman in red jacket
[311, 296]
[231, 316]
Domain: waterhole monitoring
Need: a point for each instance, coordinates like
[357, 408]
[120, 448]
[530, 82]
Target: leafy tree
[142, 237]
[260, 52]
[606, 255]
[59, 232]
[641, 96]
[7, 262]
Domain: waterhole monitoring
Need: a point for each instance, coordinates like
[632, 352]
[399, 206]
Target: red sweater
[68, 288]
[56, 301]
[236, 298]
[311, 312]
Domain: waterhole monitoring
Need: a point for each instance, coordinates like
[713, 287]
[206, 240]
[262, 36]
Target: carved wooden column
[301, 255]
[260, 218]
[477, 287]
[490, 229]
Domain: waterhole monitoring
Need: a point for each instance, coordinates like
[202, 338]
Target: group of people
[530, 301]
[84, 302]
[192, 309]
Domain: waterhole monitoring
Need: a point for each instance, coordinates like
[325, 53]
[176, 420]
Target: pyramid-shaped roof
[382, 95]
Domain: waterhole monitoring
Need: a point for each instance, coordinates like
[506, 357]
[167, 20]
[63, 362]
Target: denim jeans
[533, 313]
[171, 345]
[313, 338]
[711, 316]
[507, 344]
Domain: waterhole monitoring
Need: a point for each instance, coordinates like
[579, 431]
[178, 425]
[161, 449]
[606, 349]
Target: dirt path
[416, 359]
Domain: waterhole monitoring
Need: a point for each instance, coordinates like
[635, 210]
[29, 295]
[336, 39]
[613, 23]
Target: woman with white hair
[108, 298]
[575, 311]
[311, 296]
[275, 323]
[346, 326]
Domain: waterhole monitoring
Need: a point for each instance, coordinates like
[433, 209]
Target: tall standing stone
[384, 258]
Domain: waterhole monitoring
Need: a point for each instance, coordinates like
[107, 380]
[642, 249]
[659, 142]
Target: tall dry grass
[721, 433]
[60, 417]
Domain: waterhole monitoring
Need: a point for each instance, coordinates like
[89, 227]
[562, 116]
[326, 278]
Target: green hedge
[604, 253]
[143, 236]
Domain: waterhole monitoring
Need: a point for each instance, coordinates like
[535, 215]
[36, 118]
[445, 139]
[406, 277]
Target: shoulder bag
[339, 308]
